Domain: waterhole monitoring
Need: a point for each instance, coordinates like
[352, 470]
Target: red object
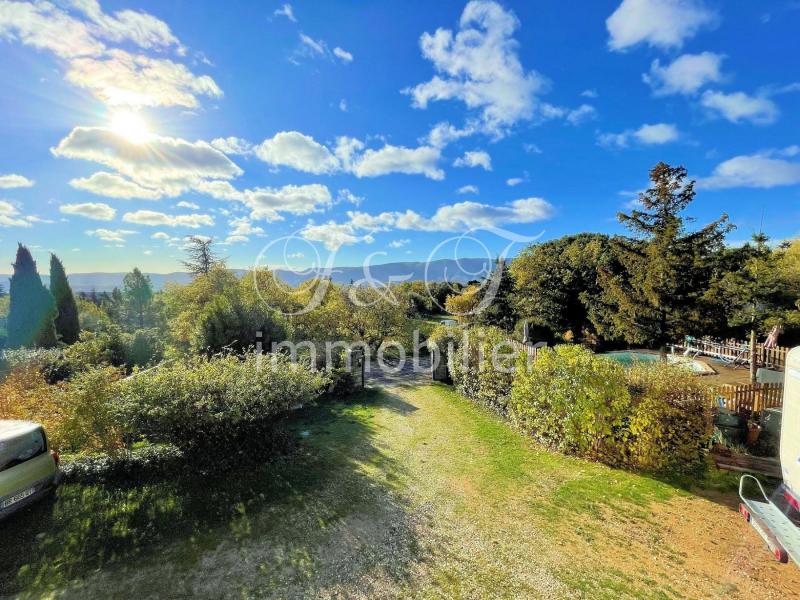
[791, 499]
[55, 456]
[744, 512]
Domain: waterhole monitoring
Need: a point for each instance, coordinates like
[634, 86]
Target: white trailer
[775, 518]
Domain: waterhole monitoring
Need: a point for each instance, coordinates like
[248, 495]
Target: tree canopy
[32, 308]
[67, 325]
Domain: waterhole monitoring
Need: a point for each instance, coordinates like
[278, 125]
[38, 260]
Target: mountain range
[462, 271]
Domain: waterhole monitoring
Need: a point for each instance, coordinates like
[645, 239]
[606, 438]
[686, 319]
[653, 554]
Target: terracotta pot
[752, 435]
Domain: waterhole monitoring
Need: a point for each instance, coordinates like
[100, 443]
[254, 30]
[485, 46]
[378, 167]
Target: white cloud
[345, 195]
[685, 75]
[112, 185]
[10, 217]
[583, 113]
[235, 239]
[113, 75]
[15, 181]
[660, 23]
[91, 210]
[185, 204]
[443, 133]
[475, 158]
[298, 151]
[343, 105]
[233, 145]
[242, 226]
[110, 235]
[467, 189]
[592, 93]
[154, 219]
[532, 149]
[514, 181]
[170, 165]
[122, 79]
[765, 169]
[738, 106]
[334, 235]
[313, 46]
[479, 66]
[343, 55]
[286, 11]
[268, 203]
[658, 133]
[160, 235]
[302, 152]
[399, 243]
[399, 159]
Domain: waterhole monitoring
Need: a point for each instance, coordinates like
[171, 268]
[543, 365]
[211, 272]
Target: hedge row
[652, 417]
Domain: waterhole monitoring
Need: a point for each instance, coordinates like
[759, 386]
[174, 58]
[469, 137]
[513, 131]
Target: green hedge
[213, 401]
[573, 401]
[653, 417]
[481, 366]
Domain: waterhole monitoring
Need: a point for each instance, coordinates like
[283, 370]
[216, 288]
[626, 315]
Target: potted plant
[753, 431]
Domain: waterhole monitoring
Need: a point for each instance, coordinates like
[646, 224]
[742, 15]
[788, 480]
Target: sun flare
[131, 126]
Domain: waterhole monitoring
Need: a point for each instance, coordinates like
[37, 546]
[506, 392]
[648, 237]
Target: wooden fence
[738, 351]
[750, 398]
[529, 349]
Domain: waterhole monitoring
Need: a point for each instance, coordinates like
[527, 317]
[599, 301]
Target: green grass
[414, 492]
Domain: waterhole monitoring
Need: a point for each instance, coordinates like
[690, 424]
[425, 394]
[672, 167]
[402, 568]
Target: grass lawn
[409, 492]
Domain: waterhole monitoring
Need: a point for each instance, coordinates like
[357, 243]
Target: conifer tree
[138, 294]
[668, 269]
[67, 324]
[31, 307]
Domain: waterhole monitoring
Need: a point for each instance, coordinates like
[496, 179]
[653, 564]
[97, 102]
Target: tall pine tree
[67, 325]
[31, 306]
[667, 268]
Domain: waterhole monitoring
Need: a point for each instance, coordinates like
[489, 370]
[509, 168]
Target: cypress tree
[31, 307]
[67, 325]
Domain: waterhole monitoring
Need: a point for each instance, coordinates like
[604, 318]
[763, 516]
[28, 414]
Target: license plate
[17, 497]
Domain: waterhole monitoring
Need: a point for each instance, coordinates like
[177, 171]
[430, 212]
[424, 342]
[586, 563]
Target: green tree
[556, 285]
[201, 257]
[497, 301]
[757, 294]
[228, 322]
[667, 269]
[138, 294]
[32, 308]
[67, 324]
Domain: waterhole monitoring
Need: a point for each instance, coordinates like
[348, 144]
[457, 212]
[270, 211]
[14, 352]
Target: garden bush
[212, 401]
[341, 383]
[573, 401]
[481, 366]
[670, 424]
[143, 348]
[139, 464]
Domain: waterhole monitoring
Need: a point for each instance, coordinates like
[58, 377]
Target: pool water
[629, 357]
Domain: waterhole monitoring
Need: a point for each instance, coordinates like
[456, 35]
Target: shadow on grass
[321, 517]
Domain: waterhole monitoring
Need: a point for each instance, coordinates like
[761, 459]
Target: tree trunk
[753, 357]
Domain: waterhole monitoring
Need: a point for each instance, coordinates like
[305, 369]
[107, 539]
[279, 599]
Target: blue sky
[383, 129]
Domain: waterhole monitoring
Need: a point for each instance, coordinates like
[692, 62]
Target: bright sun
[131, 126]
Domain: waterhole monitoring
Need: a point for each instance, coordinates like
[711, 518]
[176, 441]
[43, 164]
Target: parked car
[28, 468]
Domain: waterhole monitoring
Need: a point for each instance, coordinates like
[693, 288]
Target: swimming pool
[629, 357]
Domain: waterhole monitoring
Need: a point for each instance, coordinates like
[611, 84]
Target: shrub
[481, 367]
[229, 322]
[671, 420]
[573, 401]
[87, 404]
[144, 348]
[207, 401]
[26, 395]
[341, 384]
[139, 464]
[76, 414]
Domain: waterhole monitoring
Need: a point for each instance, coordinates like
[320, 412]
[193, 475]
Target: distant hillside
[440, 270]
